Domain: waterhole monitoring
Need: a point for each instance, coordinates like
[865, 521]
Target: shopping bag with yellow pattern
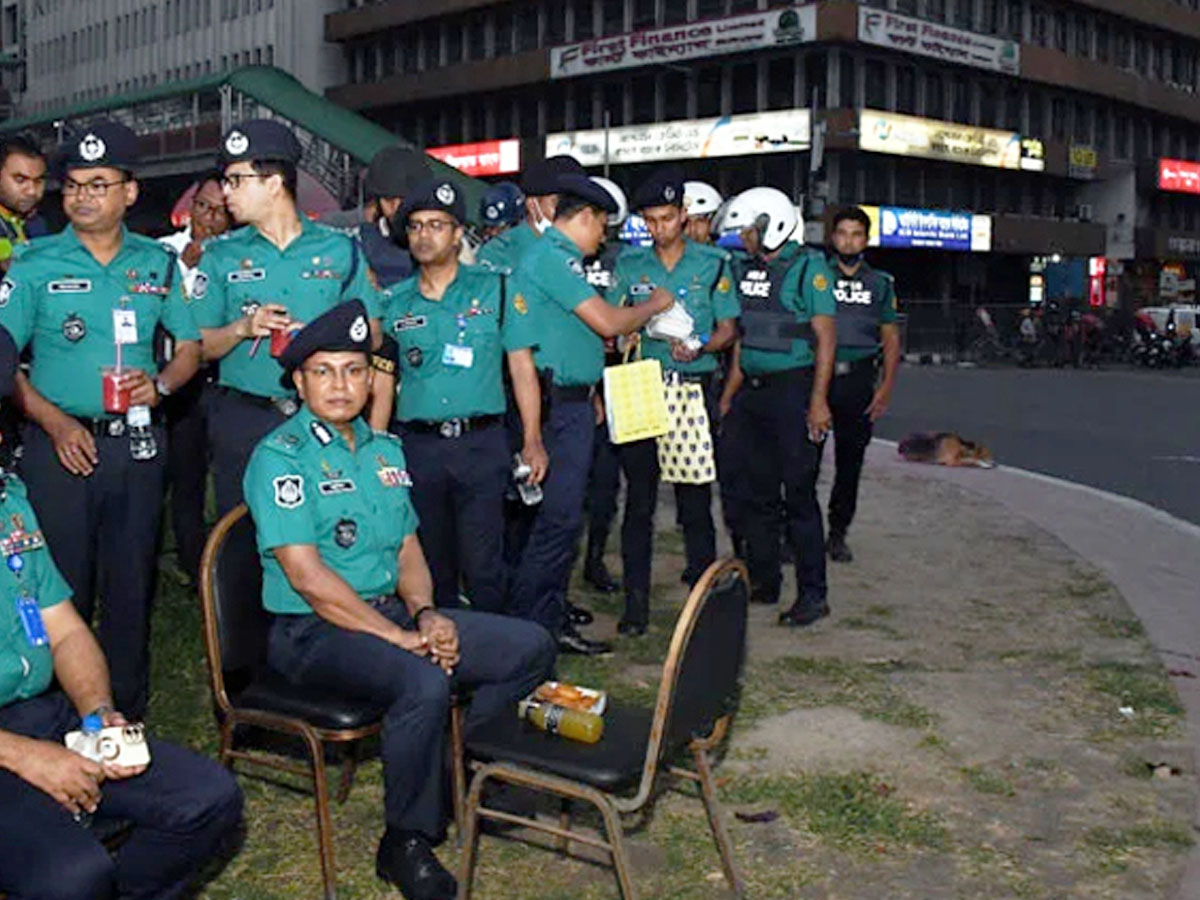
[685, 452]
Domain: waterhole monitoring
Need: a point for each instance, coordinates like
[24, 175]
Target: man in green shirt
[352, 597]
[447, 324]
[699, 276]
[257, 284]
[558, 323]
[83, 301]
[866, 324]
[777, 395]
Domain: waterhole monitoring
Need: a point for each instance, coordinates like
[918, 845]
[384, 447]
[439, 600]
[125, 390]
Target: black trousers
[182, 808]
[767, 435]
[604, 484]
[502, 659]
[103, 533]
[849, 396]
[187, 470]
[458, 491]
[235, 426]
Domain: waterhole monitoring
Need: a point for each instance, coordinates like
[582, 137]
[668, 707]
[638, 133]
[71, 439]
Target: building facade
[995, 138]
[80, 50]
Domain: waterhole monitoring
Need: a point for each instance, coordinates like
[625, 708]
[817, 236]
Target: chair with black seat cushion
[696, 700]
[247, 692]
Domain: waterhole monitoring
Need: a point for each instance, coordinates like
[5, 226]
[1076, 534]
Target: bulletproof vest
[766, 323]
[598, 270]
[860, 302]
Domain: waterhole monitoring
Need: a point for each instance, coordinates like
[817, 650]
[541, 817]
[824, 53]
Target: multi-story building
[80, 50]
[995, 137]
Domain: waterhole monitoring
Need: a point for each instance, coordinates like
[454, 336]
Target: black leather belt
[288, 406]
[452, 428]
[113, 427]
[579, 393]
[846, 366]
[754, 382]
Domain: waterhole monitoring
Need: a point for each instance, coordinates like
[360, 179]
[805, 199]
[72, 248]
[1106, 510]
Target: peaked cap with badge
[664, 187]
[103, 144]
[436, 194]
[344, 327]
[261, 140]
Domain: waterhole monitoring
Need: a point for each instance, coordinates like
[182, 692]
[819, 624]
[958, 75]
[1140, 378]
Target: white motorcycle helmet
[768, 209]
[617, 219]
[700, 198]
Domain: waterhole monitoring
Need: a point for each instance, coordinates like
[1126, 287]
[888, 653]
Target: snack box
[570, 696]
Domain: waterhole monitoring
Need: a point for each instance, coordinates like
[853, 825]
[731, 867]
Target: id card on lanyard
[27, 607]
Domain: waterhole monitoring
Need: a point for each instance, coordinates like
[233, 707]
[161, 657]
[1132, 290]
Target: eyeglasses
[433, 226]
[95, 188]
[204, 208]
[329, 374]
[234, 180]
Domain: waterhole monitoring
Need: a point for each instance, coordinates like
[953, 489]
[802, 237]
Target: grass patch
[1117, 627]
[988, 782]
[861, 623]
[879, 611]
[1112, 847]
[852, 810]
[1142, 687]
[1085, 585]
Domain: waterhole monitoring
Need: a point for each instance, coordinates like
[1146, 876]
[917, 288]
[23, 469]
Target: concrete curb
[1152, 558]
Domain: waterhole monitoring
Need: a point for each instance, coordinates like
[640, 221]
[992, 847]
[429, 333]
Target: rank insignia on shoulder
[323, 435]
[289, 491]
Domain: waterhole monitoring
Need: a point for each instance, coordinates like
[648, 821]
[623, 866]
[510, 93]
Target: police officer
[866, 323]
[501, 207]
[258, 284]
[22, 186]
[352, 598]
[700, 201]
[78, 299]
[779, 412]
[446, 322]
[604, 482]
[392, 174]
[699, 276]
[539, 183]
[561, 323]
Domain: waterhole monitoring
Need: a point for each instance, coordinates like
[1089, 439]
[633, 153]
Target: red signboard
[1179, 175]
[484, 158]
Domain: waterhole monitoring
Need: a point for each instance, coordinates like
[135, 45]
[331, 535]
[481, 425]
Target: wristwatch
[164, 389]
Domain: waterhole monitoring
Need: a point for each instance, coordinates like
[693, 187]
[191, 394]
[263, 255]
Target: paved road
[1129, 432]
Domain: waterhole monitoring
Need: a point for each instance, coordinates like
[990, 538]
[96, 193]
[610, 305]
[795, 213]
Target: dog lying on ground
[945, 449]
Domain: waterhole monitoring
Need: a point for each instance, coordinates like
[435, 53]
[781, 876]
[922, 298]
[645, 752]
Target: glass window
[674, 12]
[675, 95]
[707, 9]
[935, 96]
[583, 106]
[1102, 125]
[527, 28]
[643, 14]
[529, 115]
[1081, 120]
[1102, 41]
[584, 21]
[814, 77]
[781, 82]
[906, 89]
[875, 92]
[1059, 26]
[556, 106]
[614, 102]
[989, 105]
[1058, 118]
[708, 91]
[556, 23]
[453, 37]
[960, 100]
[612, 14]
[644, 92]
[847, 69]
[936, 10]
[1016, 20]
[503, 27]
[745, 87]
[477, 37]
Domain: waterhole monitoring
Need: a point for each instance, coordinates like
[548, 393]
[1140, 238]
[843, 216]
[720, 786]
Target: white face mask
[542, 224]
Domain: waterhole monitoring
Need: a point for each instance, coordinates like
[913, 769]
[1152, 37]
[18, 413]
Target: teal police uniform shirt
[25, 670]
[304, 485]
[866, 286]
[807, 291]
[545, 290]
[451, 351]
[59, 301]
[701, 281]
[242, 270]
[505, 250]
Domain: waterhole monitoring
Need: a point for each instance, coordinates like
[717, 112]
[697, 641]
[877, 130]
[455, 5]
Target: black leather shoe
[577, 615]
[571, 641]
[804, 612]
[631, 629]
[763, 598]
[406, 860]
[596, 574]
[837, 549]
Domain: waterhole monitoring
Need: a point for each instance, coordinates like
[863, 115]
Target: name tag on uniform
[242, 276]
[641, 290]
[458, 355]
[70, 286]
[336, 486]
[125, 326]
[409, 322]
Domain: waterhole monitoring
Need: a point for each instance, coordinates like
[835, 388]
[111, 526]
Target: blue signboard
[939, 229]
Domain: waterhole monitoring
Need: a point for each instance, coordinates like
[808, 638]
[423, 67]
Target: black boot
[406, 860]
[637, 614]
[596, 573]
[804, 612]
[837, 549]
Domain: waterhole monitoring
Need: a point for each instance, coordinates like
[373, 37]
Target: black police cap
[439, 195]
[587, 190]
[8, 357]
[260, 140]
[664, 187]
[345, 327]
[541, 178]
[106, 143]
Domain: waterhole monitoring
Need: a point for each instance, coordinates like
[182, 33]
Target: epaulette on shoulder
[287, 441]
[387, 434]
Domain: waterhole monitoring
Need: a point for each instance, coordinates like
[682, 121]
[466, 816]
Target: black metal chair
[696, 699]
[247, 692]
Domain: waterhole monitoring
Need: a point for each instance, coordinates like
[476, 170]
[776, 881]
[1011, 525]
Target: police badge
[74, 328]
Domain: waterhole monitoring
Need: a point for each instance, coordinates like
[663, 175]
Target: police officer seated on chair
[181, 806]
[85, 300]
[352, 597]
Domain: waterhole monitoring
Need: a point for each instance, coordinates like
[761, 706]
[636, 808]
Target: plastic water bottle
[87, 744]
[569, 723]
[142, 445]
[530, 494]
